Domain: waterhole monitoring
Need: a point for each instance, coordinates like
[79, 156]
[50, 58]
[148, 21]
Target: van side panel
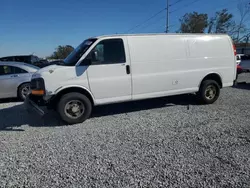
[156, 62]
[213, 54]
[164, 65]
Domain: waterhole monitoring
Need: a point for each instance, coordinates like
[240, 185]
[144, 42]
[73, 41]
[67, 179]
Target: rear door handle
[128, 69]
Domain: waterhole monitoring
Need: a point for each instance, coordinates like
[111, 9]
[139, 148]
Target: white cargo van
[118, 68]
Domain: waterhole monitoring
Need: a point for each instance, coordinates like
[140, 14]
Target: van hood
[59, 72]
[49, 70]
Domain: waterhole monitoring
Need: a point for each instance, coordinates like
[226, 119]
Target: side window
[1, 70]
[7, 59]
[4, 59]
[18, 59]
[110, 51]
[18, 70]
[34, 59]
[5, 70]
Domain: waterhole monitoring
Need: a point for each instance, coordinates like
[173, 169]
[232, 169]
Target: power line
[167, 21]
[229, 4]
[176, 2]
[162, 10]
[150, 24]
[156, 21]
[156, 14]
[185, 6]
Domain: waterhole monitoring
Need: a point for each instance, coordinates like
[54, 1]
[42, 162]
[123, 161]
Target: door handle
[128, 69]
[14, 76]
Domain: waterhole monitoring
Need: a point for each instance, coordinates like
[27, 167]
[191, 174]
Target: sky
[39, 26]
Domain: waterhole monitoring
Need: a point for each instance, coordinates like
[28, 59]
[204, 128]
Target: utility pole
[167, 22]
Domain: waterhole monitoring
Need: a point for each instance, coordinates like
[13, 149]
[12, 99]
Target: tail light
[235, 52]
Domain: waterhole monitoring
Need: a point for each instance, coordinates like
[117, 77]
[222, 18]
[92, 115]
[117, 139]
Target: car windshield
[34, 67]
[75, 55]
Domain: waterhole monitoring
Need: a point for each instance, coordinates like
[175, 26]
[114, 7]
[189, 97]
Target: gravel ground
[167, 142]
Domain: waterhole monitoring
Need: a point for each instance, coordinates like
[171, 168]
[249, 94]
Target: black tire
[20, 92]
[203, 92]
[236, 80]
[67, 98]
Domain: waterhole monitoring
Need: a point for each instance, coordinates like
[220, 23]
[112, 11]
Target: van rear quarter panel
[213, 53]
[175, 64]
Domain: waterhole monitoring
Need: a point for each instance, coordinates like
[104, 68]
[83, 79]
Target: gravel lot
[168, 142]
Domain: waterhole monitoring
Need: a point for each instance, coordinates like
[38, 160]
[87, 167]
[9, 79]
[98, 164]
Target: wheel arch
[64, 90]
[20, 84]
[213, 76]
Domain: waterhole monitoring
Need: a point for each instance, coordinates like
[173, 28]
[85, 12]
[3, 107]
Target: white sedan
[15, 79]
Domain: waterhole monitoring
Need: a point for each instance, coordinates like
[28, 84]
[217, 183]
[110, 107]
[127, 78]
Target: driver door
[109, 73]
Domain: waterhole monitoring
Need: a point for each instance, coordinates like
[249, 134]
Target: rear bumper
[31, 106]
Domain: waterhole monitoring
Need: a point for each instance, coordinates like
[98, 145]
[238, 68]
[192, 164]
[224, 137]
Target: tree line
[61, 52]
[222, 22]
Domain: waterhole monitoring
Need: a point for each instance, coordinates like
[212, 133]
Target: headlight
[37, 86]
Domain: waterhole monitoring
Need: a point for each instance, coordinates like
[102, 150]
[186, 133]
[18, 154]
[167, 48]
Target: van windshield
[75, 55]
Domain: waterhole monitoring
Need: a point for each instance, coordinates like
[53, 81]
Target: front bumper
[32, 106]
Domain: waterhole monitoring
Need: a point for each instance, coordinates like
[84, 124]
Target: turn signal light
[37, 92]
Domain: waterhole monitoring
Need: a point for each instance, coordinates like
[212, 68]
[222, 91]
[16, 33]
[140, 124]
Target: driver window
[110, 51]
[98, 50]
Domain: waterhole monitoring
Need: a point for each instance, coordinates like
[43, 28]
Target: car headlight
[37, 86]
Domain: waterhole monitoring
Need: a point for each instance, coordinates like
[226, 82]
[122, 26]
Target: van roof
[150, 34]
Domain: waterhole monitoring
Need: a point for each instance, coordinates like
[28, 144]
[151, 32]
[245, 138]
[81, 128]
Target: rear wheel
[74, 108]
[209, 91]
[23, 91]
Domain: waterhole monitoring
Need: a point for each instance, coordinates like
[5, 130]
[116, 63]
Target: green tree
[193, 23]
[222, 22]
[61, 52]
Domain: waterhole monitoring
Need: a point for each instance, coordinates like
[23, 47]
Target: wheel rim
[25, 91]
[210, 92]
[74, 109]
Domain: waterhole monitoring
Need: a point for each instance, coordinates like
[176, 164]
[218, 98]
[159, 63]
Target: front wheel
[209, 91]
[74, 108]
